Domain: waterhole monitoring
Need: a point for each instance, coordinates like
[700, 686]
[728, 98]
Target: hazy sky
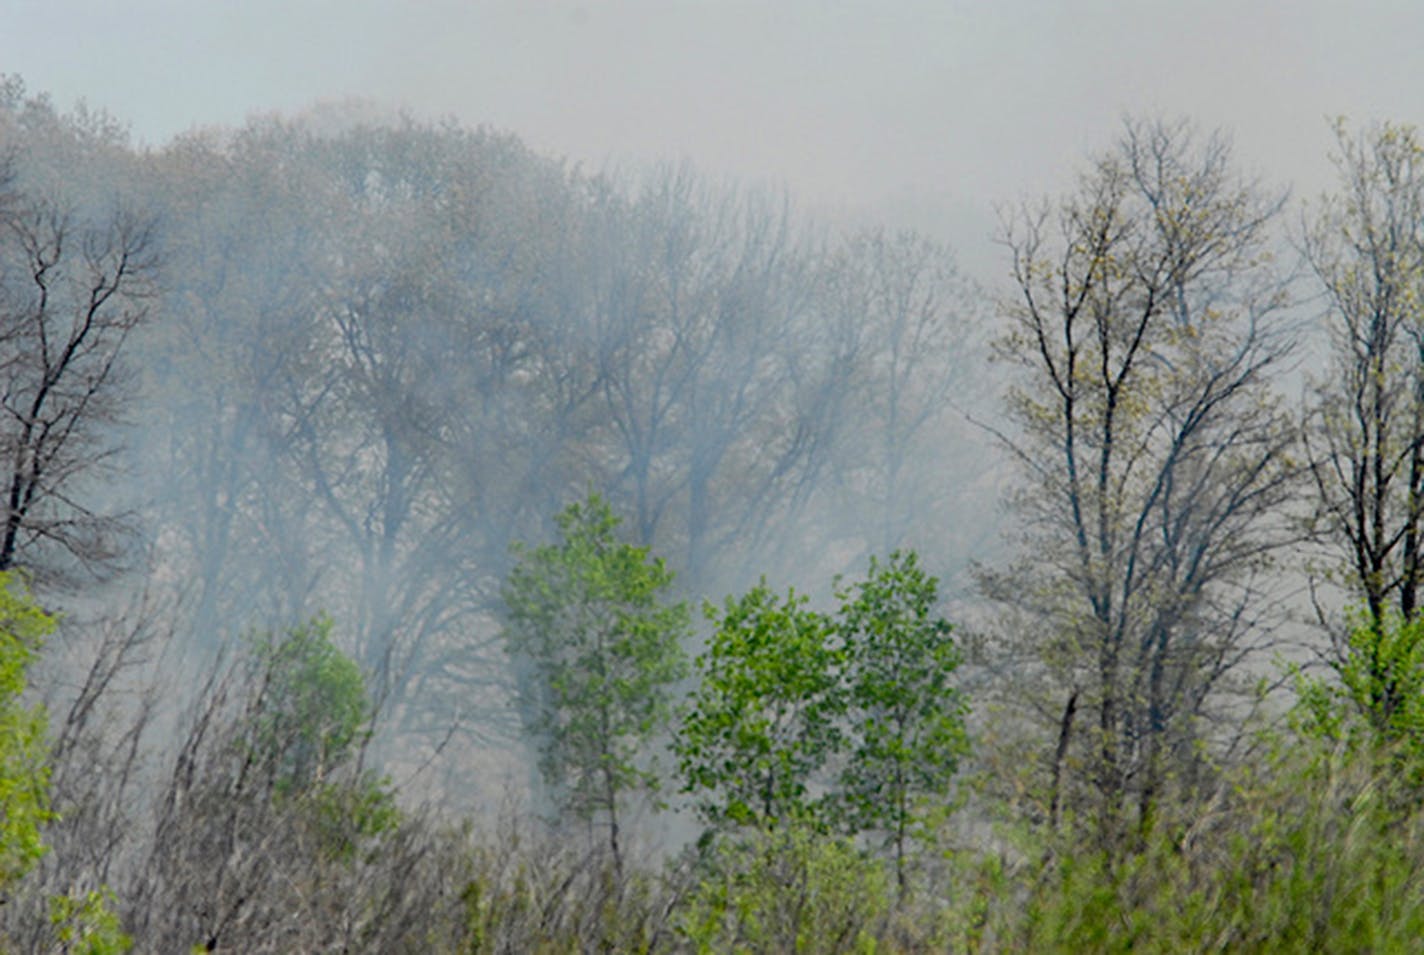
[923, 112]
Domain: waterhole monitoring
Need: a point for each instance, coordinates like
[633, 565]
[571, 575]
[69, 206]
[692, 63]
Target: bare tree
[236, 247]
[914, 316]
[1366, 433]
[1153, 454]
[71, 293]
[372, 414]
[720, 384]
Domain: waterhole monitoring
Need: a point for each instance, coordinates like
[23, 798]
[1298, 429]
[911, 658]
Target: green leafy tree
[906, 717]
[600, 651]
[313, 704]
[766, 715]
[24, 776]
[312, 713]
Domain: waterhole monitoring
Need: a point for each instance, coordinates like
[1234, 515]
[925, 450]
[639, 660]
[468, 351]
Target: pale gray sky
[926, 112]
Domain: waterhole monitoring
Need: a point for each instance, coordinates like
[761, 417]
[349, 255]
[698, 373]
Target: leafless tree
[903, 446]
[1154, 456]
[71, 294]
[1366, 433]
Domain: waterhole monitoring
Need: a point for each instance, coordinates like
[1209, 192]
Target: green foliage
[788, 890]
[766, 715]
[786, 690]
[313, 704]
[88, 925]
[310, 715]
[906, 717]
[350, 814]
[601, 650]
[24, 776]
[1376, 701]
[1317, 853]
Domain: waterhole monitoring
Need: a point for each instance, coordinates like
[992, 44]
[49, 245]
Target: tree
[366, 408]
[354, 416]
[71, 293]
[766, 714]
[313, 705]
[1365, 435]
[913, 315]
[1154, 455]
[906, 718]
[586, 621]
[720, 384]
[269, 833]
[240, 266]
[24, 776]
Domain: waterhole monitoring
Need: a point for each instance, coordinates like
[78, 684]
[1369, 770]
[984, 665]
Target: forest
[415, 543]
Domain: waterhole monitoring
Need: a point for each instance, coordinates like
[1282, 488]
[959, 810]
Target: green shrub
[1313, 854]
[88, 925]
[788, 890]
[24, 774]
[313, 706]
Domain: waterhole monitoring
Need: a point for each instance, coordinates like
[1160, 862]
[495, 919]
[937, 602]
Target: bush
[1312, 855]
[24, 775]
[88, 925]
[789, 889]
